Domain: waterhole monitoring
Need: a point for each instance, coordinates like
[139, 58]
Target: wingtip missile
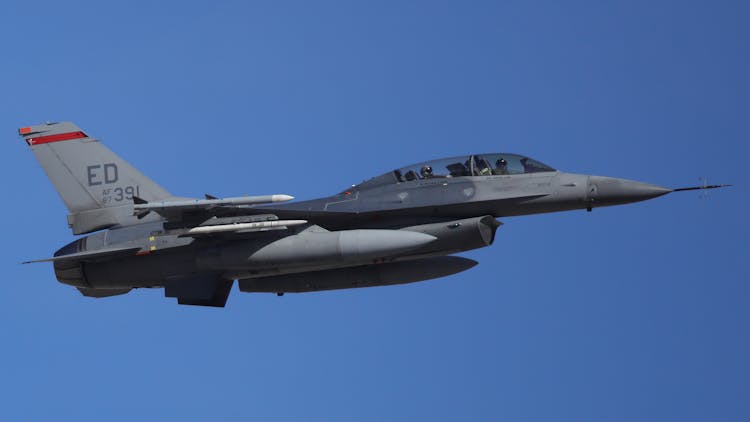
[141, 207]
[281, 198]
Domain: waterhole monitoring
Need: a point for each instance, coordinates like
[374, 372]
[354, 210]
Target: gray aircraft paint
[96, 185]
[399, 227]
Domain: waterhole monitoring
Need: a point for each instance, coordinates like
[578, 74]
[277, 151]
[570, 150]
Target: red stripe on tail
[55, 138]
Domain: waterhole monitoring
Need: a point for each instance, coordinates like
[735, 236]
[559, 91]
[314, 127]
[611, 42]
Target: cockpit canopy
[472, 165]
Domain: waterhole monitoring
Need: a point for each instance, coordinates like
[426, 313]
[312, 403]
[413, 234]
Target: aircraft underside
[310, 260]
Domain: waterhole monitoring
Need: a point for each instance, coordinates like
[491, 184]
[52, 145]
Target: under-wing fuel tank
[361, 276]
[314, 247]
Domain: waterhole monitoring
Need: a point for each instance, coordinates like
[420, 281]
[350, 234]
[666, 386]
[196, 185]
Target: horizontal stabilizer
[90, 255]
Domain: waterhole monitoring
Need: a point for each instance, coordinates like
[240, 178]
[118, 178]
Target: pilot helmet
[502, 162]
[426, 170]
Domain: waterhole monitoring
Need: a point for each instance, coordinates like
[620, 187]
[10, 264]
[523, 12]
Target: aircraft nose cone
[613, 191]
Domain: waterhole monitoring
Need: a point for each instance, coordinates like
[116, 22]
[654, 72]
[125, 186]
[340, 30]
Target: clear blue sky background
[632, 313]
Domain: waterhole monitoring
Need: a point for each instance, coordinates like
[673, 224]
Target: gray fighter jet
[400, 227]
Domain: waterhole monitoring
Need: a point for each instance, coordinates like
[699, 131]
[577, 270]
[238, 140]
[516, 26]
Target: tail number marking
[107, 174]
[102, 174]
[119, 194]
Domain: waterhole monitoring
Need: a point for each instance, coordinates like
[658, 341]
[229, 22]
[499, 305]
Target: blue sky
[629, 313]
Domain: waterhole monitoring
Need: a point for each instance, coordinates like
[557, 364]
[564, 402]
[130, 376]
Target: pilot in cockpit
[481, 167]
[426, 172]
[501, 166]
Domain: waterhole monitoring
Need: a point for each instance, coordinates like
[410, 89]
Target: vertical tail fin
[96, 184]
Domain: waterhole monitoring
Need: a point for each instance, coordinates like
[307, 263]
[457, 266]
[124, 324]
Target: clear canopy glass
[473, 165]
[468, 165]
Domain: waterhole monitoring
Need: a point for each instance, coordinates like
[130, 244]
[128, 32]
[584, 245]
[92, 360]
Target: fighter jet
[403, 226]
